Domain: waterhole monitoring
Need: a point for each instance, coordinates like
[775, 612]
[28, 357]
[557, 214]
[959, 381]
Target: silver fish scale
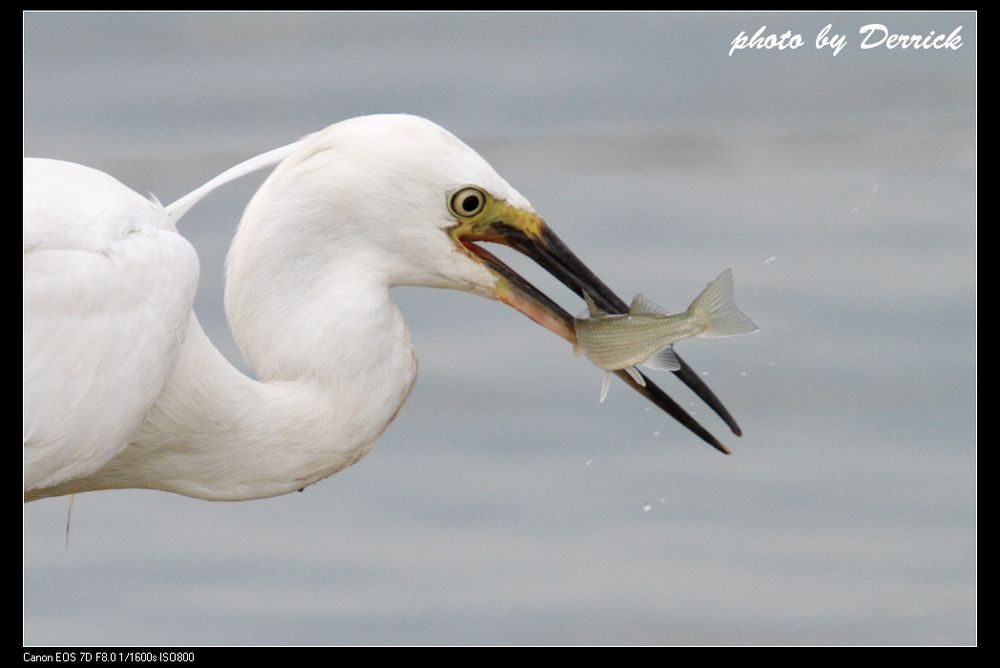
[617, 342]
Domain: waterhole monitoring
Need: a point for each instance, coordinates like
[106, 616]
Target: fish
[646, 334]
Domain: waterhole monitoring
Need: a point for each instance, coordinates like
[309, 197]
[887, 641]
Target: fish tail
[716, 308]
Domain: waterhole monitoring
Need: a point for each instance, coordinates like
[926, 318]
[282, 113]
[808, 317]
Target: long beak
[528, 234]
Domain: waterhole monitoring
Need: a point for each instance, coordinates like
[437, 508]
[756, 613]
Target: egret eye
[467, 202]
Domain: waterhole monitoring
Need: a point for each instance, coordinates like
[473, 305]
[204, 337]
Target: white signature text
[873, 36]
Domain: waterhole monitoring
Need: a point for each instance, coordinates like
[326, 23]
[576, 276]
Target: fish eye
[467, 202]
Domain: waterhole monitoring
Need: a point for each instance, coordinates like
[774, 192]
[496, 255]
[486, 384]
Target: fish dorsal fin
[592, 307]
[664, 359]
[642, 306]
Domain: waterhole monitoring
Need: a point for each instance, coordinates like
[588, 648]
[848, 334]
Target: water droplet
[704, 373]
[874, 189]
[588, 462]
[662, 499]
[771, 259]
[646, 508]
[853, 211]
[656, 432]
[743, 373]
[646, 409]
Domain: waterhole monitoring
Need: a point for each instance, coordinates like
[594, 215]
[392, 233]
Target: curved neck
[216, 434]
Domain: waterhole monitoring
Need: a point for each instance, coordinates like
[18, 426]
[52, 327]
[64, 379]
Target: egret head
[407, 200]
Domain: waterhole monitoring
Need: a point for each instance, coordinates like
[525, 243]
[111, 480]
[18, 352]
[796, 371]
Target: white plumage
[123, 389]
[107, 292]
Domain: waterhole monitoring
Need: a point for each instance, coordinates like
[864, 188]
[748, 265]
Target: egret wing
[107, 289]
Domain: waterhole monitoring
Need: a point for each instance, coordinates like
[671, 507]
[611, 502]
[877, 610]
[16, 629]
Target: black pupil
[470, 203]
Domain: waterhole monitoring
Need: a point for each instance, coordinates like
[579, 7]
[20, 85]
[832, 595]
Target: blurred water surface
[505, 505]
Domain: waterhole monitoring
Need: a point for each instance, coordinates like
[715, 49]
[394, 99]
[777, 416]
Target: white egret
[122, 388]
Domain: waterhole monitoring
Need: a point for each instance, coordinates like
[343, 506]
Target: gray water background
[505, 505]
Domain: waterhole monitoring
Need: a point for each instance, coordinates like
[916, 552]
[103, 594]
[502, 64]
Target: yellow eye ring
[467, 202]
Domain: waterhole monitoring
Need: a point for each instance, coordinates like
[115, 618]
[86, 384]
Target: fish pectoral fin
[605, 386]
[664, 359]
[642, 306]
[636, 376]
